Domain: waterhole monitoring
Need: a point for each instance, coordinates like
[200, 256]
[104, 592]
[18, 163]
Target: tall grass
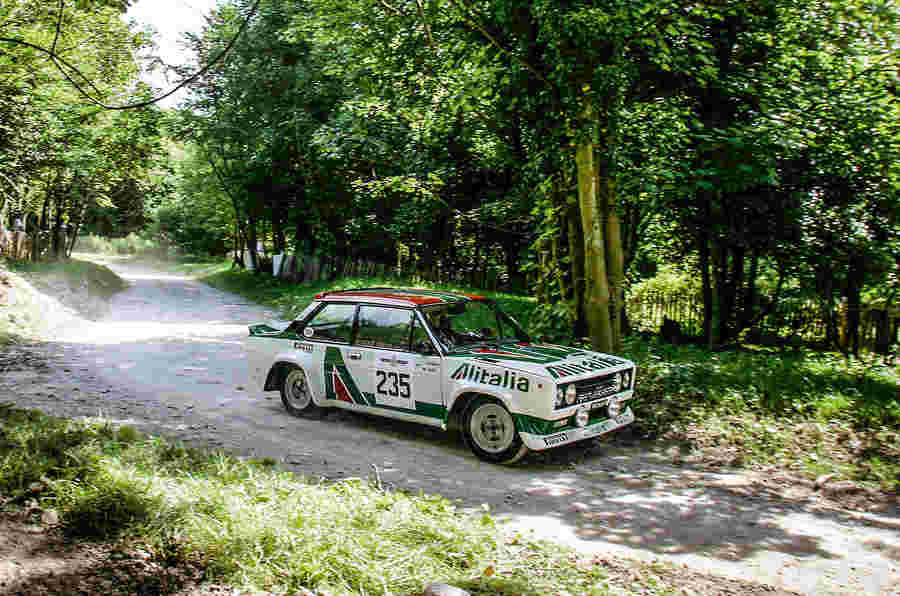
[259, 527]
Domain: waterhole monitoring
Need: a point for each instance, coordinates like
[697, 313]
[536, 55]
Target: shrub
[132, 244]
[105, 506]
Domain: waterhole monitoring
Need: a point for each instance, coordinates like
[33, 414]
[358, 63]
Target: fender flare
[272, 382]
[473, 389]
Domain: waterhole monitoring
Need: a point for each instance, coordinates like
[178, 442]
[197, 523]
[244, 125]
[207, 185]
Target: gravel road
[168, 358]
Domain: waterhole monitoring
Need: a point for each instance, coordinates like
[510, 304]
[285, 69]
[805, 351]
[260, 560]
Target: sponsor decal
[340, 389]
[308, 348]
[594, 363]
[556, 439]
[483, 376]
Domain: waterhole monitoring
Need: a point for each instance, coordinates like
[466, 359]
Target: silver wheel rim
[492, 428]
[296, 390]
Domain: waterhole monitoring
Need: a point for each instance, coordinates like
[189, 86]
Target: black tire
[491, 433]
[296, 395]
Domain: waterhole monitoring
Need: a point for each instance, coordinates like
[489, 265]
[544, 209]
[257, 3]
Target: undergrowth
[812, 412]
[132, 244]
[258, 527]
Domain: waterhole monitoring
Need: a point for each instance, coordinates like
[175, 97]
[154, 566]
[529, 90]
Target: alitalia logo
[477, 374]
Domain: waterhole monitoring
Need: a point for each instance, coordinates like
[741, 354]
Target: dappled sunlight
[637, 507]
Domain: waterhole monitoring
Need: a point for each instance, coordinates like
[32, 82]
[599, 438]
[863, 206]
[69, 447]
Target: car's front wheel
[491, 432]
[296, 394]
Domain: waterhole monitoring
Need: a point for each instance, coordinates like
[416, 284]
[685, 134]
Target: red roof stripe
[410, 296]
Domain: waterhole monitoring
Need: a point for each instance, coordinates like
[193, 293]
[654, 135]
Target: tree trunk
[251, 243]
[615, 260]
[540, 288]
[75, 229]
[854, 303]
[558, 270]
[719, 260]
[748, 301]
[57, 227]
[576, 265]
[596, 281]
[883, 336]
[732, 281]
[703, 248]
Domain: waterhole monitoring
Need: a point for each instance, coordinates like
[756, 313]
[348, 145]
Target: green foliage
[753, 403]
[290, 298]
[132, 244]
[63, 161]
[104, 507]
[670, 281]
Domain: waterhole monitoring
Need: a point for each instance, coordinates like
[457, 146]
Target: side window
[334, 323]
[382, 327]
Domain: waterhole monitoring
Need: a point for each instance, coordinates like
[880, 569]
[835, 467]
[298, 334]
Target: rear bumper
[541, 442]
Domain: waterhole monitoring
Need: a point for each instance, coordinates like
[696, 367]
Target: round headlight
[615, 408]
[570, 394]
[560, 397]
[626, 379]
[618, 382]
[581, 417]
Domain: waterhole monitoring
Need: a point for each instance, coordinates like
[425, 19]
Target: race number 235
[391, 383]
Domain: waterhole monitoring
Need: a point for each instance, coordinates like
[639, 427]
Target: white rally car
[443, 359]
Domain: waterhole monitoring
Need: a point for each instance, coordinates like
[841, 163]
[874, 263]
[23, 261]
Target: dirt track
[168, 358]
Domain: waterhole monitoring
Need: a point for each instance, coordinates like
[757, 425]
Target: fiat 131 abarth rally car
[443, 359]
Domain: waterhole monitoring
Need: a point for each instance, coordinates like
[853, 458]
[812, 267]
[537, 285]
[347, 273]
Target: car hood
[555, 362]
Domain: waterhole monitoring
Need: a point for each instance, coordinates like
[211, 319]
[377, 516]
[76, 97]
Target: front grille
[596, 388]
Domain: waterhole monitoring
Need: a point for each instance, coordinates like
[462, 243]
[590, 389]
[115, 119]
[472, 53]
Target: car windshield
[465, 323]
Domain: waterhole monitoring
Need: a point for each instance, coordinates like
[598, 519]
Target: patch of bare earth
[788, 474]
[38, 559]
[680, 580]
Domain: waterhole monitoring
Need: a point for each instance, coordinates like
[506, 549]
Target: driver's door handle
[355, 355]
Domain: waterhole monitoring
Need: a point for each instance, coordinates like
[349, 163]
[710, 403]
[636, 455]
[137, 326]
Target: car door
[332, 328]
[383, 364]
[427, 372]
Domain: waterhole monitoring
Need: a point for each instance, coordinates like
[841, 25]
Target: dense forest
[586, 152]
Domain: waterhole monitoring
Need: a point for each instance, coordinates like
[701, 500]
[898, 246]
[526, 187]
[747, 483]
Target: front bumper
[541, 442]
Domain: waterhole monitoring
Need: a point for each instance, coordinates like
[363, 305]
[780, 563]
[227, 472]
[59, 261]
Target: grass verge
[71, 276]
[259, 528]
[807, 412]
[38, 299]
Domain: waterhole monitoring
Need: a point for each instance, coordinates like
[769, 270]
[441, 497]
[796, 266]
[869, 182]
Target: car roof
[397, 296]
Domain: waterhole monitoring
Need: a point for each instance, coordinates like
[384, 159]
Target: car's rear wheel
[491, 432]
[296, 394]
